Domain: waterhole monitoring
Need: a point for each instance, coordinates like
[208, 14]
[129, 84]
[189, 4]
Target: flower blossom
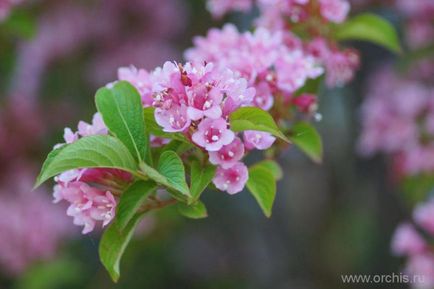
[31, 228]
[218, 8]
[398, 120]
[415, 246]
[407, 241]
[196, 99]
[90, 192]
[213, 134]
[88, 204]
[262, 57]
[258, 139]
[231, 179]
[424, 216]
[228, 155]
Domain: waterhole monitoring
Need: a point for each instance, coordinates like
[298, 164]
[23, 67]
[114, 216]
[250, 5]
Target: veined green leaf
[200, 178]
[272, 166]
[372, 28]
[262, 185]
[132, 199]
[113, 243]
[170, 172]
[98, 151]
[122, 110]
[194, 211]
[306, 137]
[253, 118]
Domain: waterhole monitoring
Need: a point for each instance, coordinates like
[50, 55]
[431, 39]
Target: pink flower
[228, 155]
[340, 66]
[293, 69]
[233, 179]
[334, 10]
[70, 136]
[96, 127]
[306, 103]
[263, 58]
[191, 92]
[218, 8]
[31, 228]
[111, 178]
[174, 119]
[264, 97]
[140, 79]
[421, 267]
[88, 205]
[424, 216]
[258, 139]
[213, 134]
[158, 141]
[407, 241]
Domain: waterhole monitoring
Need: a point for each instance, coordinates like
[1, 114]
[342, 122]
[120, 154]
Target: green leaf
[200, 178]
[271, 166]
[113, 243]
[372, 28]
[253, 118]
[262, 185]
[170, 172]
[61, 272]
[417, 188]
[195, 211]
[98, 151]
[20, 23]
[154, 129]
[122, 110]
[312, 86]
[132, 199]
[306, 137]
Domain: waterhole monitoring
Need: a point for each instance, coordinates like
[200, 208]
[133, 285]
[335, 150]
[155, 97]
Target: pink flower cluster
[196, 99]
[67, 27]
[272, 62]
[340, 64]
[219, 8]
[31, 228]
[90, 192]
[398, 119]
[279, 13]
[409, 242]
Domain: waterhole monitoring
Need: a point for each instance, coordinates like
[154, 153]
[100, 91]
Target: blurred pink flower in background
[421, 267]
[68, 27]
[407, 241]
[424, 216]
[412, 244]
[31, 227]
[218, 8]
[396, 120]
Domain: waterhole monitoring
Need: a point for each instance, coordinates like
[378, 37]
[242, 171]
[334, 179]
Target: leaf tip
[115, 276]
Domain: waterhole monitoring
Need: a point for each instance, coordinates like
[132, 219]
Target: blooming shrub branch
[162, 137]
